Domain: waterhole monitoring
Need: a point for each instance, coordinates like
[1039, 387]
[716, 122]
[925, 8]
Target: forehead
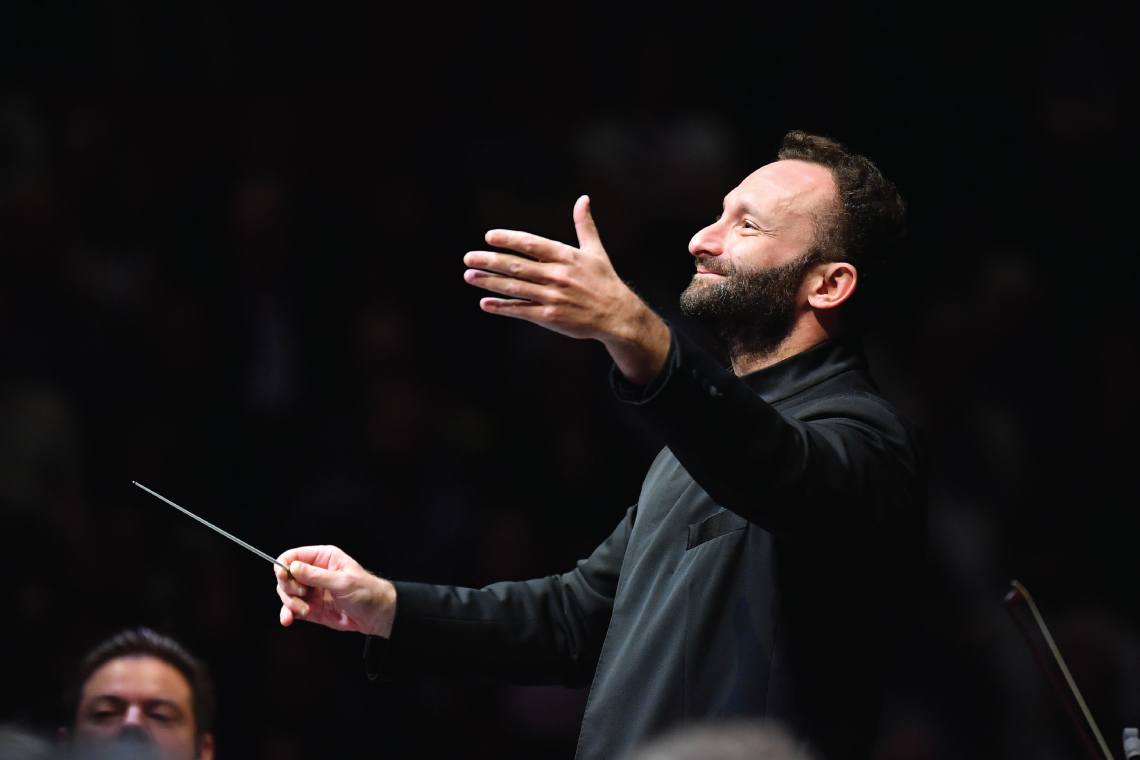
[138, 677]
[786, 187]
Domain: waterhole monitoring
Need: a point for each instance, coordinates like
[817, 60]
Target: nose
[133, 716]
[708, 241]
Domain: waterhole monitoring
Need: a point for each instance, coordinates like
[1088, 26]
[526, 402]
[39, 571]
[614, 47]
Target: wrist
[638, 343]
[385, 618]
[626, 325]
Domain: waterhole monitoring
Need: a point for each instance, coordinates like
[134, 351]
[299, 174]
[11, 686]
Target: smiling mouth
[702, 267]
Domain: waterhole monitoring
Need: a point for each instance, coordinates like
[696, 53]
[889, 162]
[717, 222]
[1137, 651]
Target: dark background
[231, 236]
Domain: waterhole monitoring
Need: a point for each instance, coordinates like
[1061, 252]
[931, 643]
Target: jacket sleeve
[846, 462]
[541, 631]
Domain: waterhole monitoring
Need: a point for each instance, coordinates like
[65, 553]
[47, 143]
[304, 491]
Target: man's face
[752, 260]
[144, 697]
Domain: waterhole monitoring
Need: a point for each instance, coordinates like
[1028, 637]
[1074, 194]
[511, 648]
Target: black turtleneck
[755, 575]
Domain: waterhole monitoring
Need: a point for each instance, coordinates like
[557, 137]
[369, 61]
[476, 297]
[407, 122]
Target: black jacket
[755, 575]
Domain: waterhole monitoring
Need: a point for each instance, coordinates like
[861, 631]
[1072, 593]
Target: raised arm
[848, 463]
[840, 464]
[573, 291]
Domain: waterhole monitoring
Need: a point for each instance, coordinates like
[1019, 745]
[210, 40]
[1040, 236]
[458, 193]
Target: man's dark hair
[144, 642]
[869, 222]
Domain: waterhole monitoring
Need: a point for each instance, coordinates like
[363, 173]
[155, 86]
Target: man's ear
[831, 284]
[206, 747]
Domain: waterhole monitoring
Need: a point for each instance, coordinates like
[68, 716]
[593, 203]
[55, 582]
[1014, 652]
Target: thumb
[311, 575]
[584, 224]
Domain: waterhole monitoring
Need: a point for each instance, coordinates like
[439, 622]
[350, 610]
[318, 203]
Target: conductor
[754, 574]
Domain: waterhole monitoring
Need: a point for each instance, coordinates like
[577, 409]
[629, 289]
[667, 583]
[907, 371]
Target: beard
[751, 311]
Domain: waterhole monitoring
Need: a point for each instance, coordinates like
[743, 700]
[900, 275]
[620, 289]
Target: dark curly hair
[144, 642]
[868, 225]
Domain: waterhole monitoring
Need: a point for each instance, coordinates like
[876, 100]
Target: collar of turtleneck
[821, 362]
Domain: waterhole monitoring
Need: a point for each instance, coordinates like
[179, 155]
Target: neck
[805, 333]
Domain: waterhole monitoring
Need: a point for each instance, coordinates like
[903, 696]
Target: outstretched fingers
[538, 313]
[509, 286]
[528, 244]
[517, 267]
[584, 224]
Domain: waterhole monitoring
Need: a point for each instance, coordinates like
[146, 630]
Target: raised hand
[572, 291]
[330, 588]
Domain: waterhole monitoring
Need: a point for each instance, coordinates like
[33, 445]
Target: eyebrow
[118, 701]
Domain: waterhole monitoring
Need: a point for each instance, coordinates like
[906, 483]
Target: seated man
[141, 687]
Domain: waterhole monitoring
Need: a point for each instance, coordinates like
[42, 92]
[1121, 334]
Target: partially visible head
[730, 740]
[794, 238]
[141, 686]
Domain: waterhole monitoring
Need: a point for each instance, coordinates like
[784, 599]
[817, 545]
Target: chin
[696, 285]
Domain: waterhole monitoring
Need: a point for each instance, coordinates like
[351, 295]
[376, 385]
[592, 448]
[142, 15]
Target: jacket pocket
[713, 526]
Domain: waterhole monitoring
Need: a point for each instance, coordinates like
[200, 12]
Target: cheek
[171, 729]
[756, 253]
[175, 741]
[747, 256]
